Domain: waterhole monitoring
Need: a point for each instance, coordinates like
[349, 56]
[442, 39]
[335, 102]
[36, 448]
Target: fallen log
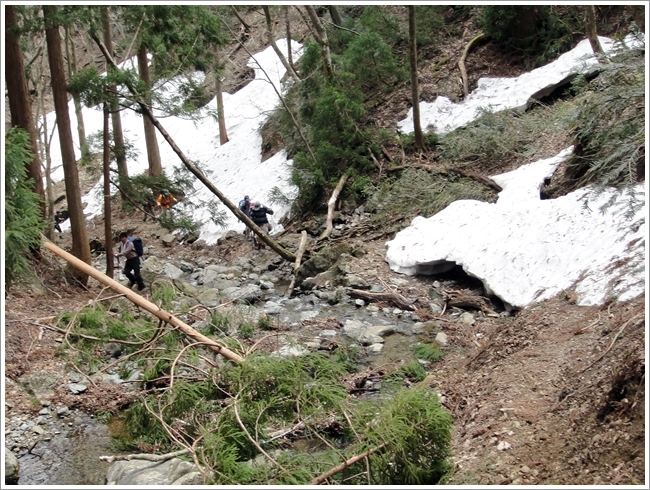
[296, 265]
[142, 302]
[394, 298]
[330, 206]
[461, 63]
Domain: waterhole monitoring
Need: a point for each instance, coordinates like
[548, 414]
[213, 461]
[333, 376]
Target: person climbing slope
[245, 207]
[258, 215]
[127, 250]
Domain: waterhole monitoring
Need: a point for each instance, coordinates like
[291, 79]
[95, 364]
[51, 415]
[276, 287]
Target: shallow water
[71, 457]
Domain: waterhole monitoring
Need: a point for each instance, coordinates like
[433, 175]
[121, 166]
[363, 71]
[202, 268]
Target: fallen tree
[142, 302]
[285, 254]
[394, 298]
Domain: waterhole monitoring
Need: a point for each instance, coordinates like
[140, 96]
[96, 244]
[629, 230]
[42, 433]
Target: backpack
[137, 244]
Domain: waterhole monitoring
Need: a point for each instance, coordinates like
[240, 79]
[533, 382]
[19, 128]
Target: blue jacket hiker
[127, 250]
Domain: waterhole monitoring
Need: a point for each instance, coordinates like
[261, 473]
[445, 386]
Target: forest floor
[554, 394]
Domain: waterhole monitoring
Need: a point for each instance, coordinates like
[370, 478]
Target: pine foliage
[23, 221]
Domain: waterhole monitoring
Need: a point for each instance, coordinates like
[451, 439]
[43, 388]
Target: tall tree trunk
[72, 70]
[223, 134]
[80, 245]
[336, 17]
[45, 144]
[116, 119]
[108, 233]
[283, 60]
[321, 38]
[289, 50]
[153, 152]
[415, 95]
[19, 103]
[590, 27]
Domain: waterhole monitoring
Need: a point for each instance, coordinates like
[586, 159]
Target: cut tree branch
[395, 298]
[331, 204]
[461, 62]
[142, 302]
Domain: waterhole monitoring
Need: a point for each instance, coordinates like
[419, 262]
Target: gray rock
[77, 388]
[359, 303]
[172, 271]
[186, 267]
[168, 240]
[467, 318]
[370, 339]
[376, 288]
[40, 384]
[140, 472]
[209, 297]
[441, 338]
[12, 467]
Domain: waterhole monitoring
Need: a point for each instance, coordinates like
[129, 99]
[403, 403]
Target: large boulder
[174, 471]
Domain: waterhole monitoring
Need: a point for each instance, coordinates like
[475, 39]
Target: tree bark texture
[19, 102]
[331, 204]
[394, 298]
[461, 63]
[143, 303]
[153, 152]
[108, 232]
[223, 133]
[321, 38]
[283, 60]
[80, 245]
[590, 27]
[72, 70]
[116, 118]
[415, 92]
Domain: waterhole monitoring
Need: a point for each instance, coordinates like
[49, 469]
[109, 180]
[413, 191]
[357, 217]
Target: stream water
[72, 456]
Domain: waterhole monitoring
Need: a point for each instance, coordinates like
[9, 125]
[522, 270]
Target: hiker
[165, 200]
[127, 250]
[58, 219]
[258, 215]
[245, 207]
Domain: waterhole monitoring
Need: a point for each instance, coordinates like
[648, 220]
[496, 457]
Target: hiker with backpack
[58, 219]
[245, 207]
[128, 251]
[258, 215]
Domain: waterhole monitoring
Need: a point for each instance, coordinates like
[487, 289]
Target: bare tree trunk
[116, 119]
[247, 28]
[331, 204]
[223, 134]
[45, 144]
[19, 102]
[152, 308]
[108, 232]
[590, 27]
[283, 60]
[80, 245]
[289, 50]
[336, 17]
[72, 70]
[415, 93]
[197, 172]
[461, 63]
[296, 265]
[153, 152]
[321, 38]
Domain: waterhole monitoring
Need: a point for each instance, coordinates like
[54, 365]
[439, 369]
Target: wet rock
[370, 339]
[12, 467]
[186, 267]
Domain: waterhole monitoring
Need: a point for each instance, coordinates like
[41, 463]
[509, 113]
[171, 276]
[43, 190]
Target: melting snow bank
[498, 94]
[525, 249]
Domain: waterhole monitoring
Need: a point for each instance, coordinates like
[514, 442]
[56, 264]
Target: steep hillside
[553, 394]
